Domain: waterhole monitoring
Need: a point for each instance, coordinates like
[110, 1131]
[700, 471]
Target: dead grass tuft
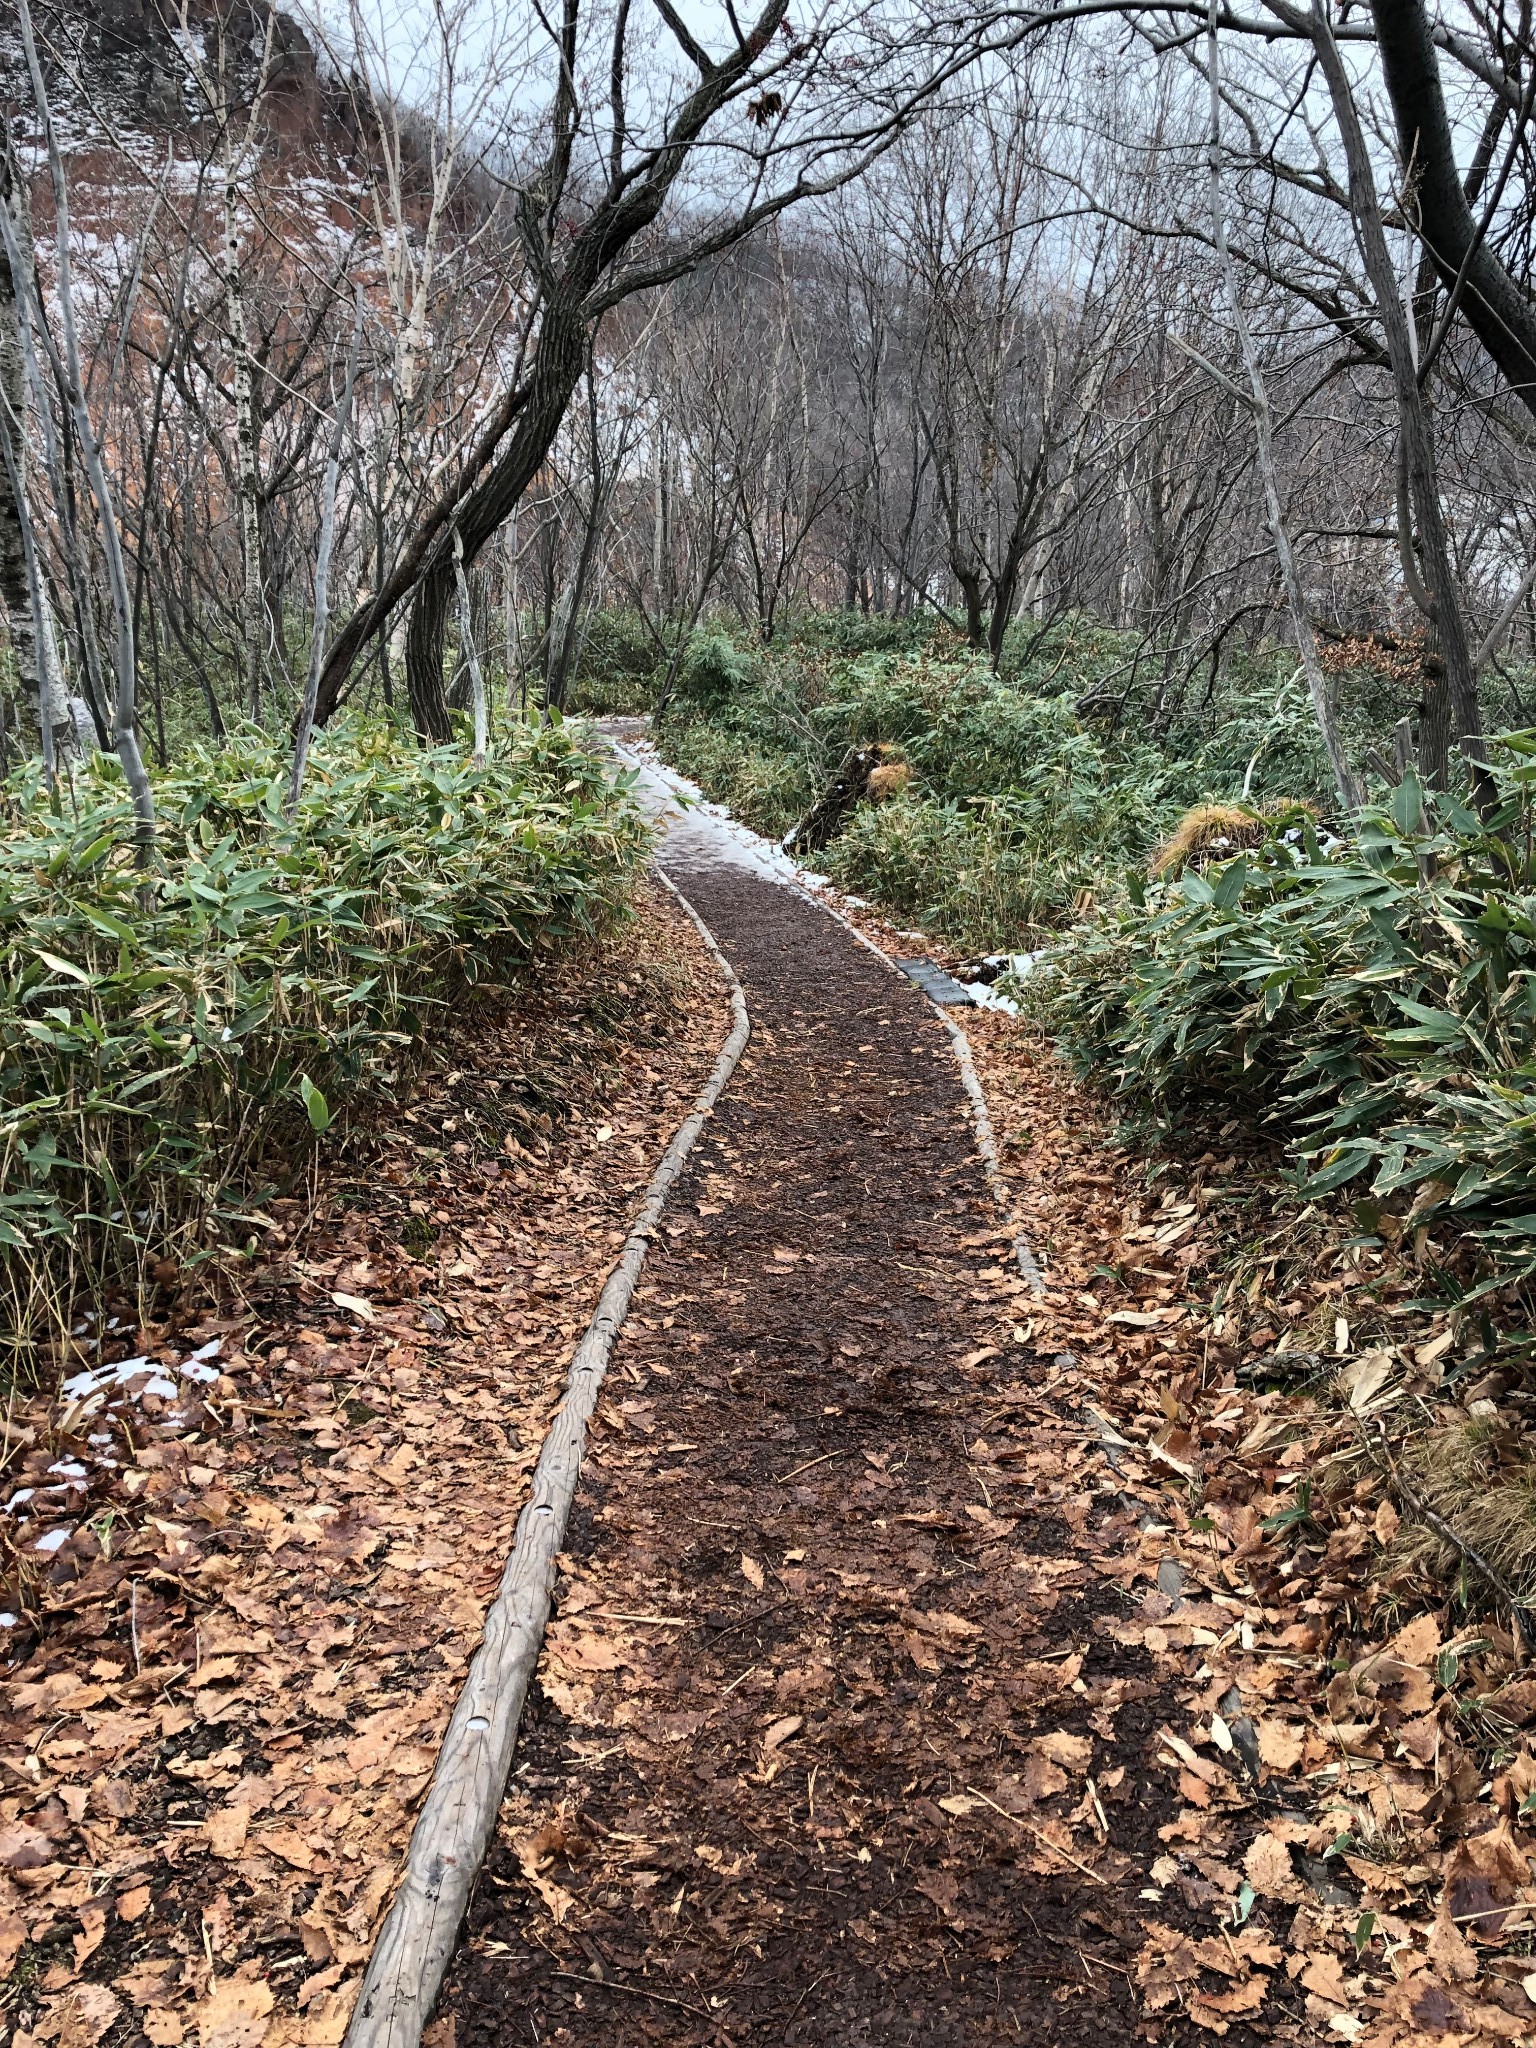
[1215, 831]
[1209, 831]
[1480, 1479]
[888, 780]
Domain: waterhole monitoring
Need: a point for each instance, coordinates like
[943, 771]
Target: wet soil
[783, 1778]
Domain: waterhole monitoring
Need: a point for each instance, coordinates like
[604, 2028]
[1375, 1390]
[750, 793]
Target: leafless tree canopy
[364, 360]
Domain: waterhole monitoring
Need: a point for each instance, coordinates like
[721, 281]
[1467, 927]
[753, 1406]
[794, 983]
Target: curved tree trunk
[1497, 310]
[573, 304]
[556, 373]
[1447, 617]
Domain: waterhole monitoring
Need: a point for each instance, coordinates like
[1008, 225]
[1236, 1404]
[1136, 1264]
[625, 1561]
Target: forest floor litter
[932, 1661]
[248, 1596]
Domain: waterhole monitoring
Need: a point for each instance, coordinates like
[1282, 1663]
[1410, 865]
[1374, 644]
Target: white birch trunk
[467, 649]
[125, 730]
[247, 465]
[306, 725]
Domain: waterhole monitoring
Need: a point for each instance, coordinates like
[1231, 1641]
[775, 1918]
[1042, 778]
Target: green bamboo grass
[165, 1040]
[1374, 1000]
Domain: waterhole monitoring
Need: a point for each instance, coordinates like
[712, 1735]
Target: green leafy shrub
[1376, 1001]
[618, 666]
[1014, 809]
[714, 671]
[975, 873]
[844, 632]
[738, 727]
[164, 1035]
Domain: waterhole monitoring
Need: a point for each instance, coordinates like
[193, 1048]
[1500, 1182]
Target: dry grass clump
[1215, 831]
[1479, 1479]
[888, 780]
[1209, 832]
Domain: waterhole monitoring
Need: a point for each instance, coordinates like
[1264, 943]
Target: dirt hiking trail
[824, 1673]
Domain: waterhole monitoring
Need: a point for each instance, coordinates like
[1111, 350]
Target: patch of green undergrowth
[167, 1036]
[1015, 808]
[1374, 999]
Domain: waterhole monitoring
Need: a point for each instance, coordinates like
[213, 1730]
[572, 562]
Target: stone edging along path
[458, 1819]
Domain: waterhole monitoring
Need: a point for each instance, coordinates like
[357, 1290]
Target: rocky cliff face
[132, 64]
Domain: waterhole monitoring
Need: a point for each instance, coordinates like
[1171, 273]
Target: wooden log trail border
[458, 1819]
[450, 1839]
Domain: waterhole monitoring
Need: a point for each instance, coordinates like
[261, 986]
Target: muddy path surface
[831, 1688]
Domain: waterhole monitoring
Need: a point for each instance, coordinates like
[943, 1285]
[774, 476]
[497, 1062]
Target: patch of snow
[670, 800]
[97, 1376]
[204, 1374]
[680, 808]
[82, 1384]
[986, 997]
[1022, 965]
[54, 1540]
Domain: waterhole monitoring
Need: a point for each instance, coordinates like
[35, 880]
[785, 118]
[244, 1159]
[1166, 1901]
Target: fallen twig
[1044, 1840]
[634, 1990]
[813, 1461]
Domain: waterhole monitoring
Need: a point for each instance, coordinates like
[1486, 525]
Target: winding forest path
[813, 1638]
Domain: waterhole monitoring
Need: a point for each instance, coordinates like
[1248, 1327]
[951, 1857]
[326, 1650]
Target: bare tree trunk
[1417, 435]
[247, 466]
[125, 730]
[661, 517]
[561, 639]
[557, 371]
[975, 617]
[1318, 686]
[511, 621]
[21, 583]
[306, 724]
[471, 656]
[16, 232]
[1500, 314]
[573, 302]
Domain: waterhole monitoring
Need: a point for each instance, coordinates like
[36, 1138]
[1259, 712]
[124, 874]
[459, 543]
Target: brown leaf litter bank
[262, 1590]
[458, 1817]
[1348, 1747]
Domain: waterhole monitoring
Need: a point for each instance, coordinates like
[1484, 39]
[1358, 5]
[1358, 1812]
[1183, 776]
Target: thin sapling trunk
[125, 731]
[1318, 686]
[467, 637]
[306, 725]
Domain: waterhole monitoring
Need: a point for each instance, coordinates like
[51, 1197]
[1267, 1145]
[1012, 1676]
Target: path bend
[811, 1633]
